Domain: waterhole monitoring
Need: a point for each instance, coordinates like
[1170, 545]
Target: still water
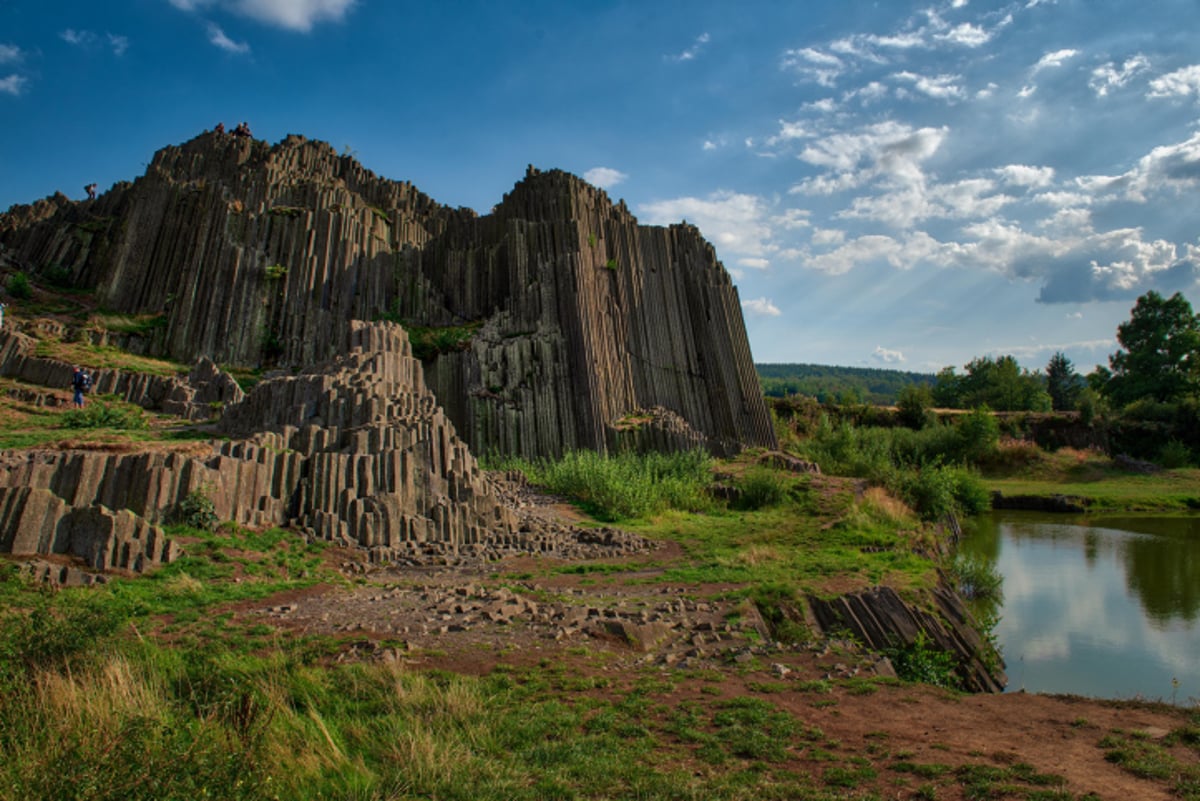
[1101, 606]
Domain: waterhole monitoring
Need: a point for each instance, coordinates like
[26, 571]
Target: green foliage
[999, 383]
[57, 275]
[761, 487]
[922, 661]
[1160, 356]
[976, 578]
[1062, 382]
[1174, 454]
[978, 435]
[913, 405]
[101, 414]
[828, 384]
[611, 264]
[139, 324]
[274, 272]
[197, 510]
[18, 286]
[627, 485]
[430, 342]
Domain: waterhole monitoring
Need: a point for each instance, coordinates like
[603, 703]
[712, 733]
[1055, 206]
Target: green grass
[1096, 479]
[105, 356]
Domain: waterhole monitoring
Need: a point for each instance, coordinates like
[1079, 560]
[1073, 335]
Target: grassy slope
[1102, 484]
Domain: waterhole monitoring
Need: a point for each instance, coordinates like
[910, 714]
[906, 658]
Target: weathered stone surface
[579, 316]
[355, 451]
[882, 620]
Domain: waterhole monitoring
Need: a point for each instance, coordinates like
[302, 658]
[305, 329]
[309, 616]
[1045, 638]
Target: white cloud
[886, 356]
[754, 263]
[709, 144]
[828, 236]
[1109, 76]
[604, 177]
[693, 51]
[293, 15]
[810, 63]
[9, 53]
[217, 37]
[78, 38]
[1024, 175]
[1027, 91]
[735, 223]
[1175, 167]
[119, 44]
[967, 35]
[825, 105]
[1055, 59]
[939, 87]
[883, 149]
[13, 84]
[762, 307]
[1180, 83]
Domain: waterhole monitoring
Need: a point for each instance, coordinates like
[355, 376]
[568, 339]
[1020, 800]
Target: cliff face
[555, 322]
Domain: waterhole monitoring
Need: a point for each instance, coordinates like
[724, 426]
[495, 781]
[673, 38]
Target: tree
[913, 405]
[1161, 356]
[1062, 382]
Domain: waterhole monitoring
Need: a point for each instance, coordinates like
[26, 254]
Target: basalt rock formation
[355, 451]
[553, 323]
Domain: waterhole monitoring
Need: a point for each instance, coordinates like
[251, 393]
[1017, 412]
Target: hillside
[543, 327]
[827, 383]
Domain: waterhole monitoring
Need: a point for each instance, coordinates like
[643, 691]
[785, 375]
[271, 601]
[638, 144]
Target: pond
[1107, 607]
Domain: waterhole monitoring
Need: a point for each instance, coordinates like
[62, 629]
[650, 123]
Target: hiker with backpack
[81, 382]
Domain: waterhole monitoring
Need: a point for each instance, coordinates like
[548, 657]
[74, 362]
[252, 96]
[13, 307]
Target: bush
[977, 579]
[1174, 454]
[761, 487]
[628, 485]
[923, 661]
[197, 511]
[978, 435]
[106, 415]
[18, 286]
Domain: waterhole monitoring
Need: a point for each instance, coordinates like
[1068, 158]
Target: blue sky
[904, 184]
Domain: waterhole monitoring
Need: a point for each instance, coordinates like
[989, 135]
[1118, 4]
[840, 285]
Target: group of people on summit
[242, 129]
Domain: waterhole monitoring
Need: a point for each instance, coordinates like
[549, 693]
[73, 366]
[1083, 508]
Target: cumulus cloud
[1054, 59]
[813, 64]
[967, 35]
[604, 177]
[883, 150]
[885, 356]
[9, 53]
[736, 223]
[691, 52]
[118, 44]
[761, 307]
[939, 87]
[1173, 167]
[13, 85]
[217, 37]
[1180, 83]
[1024, 175]
[294, 15]
[1109, 76]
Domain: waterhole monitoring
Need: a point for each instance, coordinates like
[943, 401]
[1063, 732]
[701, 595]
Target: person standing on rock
[91, 191]
[81, 382]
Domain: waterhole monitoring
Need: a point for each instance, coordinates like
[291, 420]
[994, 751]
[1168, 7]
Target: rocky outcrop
[882, 620]
[355, 451]
[544, 324]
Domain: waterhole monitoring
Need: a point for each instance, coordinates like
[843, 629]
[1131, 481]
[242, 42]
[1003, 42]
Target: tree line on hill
[1147, 399]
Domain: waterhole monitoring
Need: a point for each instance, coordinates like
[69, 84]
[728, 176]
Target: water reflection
[1098, 606]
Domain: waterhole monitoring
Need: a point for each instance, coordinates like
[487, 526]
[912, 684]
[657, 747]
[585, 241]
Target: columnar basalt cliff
[555, 322]
[355, 451]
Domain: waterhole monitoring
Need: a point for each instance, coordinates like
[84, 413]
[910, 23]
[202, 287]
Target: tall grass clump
[626, 485]
[929, 468]
[760, 488]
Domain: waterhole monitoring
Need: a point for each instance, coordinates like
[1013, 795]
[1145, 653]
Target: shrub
[761, 487]
[18, 286]
[197, 511]
[628, 485]
[976, 578]
[1174, 454]
[106, 415]
[978, 434]
[923, 661]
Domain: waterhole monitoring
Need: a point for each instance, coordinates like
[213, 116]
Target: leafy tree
[1062, 382]
[999, 383]
[913, 404]
[1161, 352]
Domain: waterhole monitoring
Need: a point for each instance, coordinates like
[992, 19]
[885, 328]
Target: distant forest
[837, 384]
